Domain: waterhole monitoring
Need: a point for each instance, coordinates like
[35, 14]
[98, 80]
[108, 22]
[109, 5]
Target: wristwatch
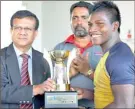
[89, 72]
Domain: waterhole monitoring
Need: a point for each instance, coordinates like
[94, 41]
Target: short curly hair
[87, 5]
[111, 8]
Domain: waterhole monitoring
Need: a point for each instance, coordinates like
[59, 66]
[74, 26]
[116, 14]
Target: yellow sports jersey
[103, 94]
[115, 67]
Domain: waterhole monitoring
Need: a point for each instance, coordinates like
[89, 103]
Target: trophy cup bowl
[60, 74]
[59, 55]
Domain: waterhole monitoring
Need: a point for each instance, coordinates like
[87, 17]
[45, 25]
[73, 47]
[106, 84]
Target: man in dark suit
[24, 26]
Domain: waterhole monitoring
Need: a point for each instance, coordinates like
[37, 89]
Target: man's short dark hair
[111, 9]
[87, 5]
[23, 14]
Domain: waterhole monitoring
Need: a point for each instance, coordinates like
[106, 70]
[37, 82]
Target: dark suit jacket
[12, 94]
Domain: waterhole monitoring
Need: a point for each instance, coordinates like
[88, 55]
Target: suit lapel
[12, 64]
[34, 72]
[36, 67]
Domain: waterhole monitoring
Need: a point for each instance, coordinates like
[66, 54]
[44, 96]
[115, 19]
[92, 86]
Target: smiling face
[100, 28]
[79, 21]
[23, 32]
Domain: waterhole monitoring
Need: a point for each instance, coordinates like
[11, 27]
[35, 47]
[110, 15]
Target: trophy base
[61, 99]
[63, 87]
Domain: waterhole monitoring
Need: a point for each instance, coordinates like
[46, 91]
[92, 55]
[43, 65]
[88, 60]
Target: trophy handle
[52, 55]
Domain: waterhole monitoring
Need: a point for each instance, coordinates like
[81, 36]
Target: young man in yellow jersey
[114, 75]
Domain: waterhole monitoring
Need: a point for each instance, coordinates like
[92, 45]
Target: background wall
[7, 10]
[54, 19]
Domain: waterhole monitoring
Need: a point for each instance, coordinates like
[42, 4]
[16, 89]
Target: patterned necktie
[25, 78]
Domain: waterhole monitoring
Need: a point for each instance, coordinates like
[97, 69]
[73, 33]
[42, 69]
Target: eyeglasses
[26, 29]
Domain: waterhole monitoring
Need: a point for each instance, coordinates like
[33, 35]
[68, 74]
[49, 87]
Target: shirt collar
[18, 52]
[71, 39]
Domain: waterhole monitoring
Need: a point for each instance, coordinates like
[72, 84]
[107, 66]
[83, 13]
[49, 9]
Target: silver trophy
[62, 97]
[60, 74]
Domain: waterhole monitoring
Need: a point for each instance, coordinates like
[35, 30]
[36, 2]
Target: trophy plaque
[62, 97]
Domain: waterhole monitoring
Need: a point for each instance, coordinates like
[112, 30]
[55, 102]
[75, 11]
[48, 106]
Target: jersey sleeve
[121, 70]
